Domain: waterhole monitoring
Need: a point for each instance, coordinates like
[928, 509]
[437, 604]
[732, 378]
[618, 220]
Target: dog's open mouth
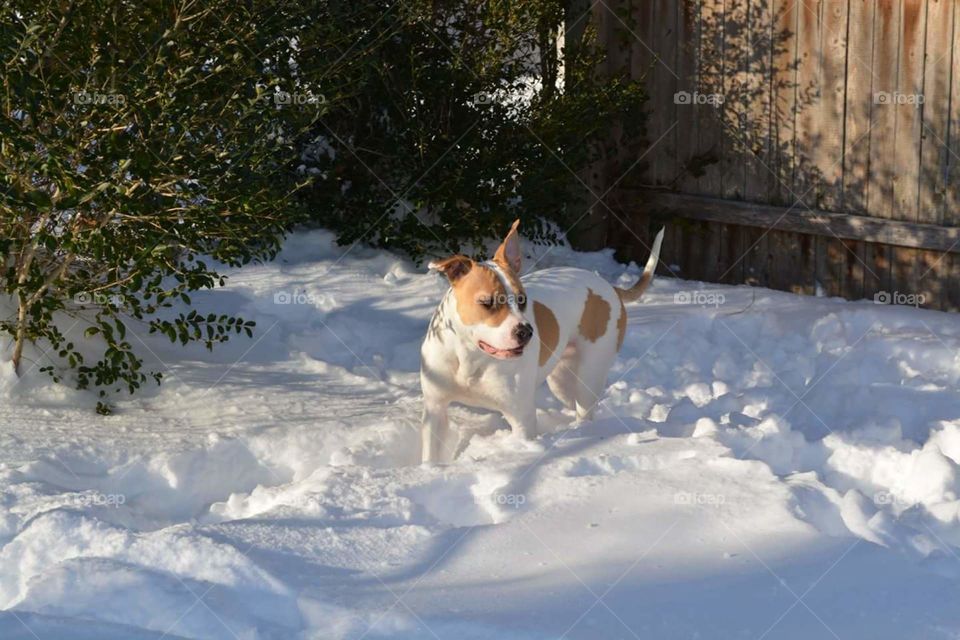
[504, 354]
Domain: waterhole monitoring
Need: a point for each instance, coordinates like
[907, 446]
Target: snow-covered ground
[763, 466]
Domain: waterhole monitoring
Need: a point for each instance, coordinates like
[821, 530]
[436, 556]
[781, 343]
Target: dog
[495, 337]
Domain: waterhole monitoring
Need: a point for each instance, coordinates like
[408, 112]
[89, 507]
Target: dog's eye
[487, 303]
[522, 302]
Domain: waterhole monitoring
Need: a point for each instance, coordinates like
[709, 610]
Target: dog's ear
[454, 267]
[508, 254]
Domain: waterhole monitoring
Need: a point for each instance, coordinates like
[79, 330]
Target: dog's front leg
[523, 417]
[434, 429]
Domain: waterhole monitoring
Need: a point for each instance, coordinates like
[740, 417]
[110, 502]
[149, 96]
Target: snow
[763, 465]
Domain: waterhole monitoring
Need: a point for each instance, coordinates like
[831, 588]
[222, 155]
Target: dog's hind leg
[563, 380]
[592, 371]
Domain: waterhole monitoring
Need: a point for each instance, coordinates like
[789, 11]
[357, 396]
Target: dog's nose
[523, 333]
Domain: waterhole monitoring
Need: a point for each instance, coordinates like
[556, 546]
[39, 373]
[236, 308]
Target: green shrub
[145, 144]
[136, 143]
[429, 147]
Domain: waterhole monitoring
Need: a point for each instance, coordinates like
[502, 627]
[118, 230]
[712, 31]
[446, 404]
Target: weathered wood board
[820, 148]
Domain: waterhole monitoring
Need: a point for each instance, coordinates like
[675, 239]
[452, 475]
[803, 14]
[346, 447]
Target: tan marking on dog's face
[482, 298]
[548, 330]
[595, 318]
[621, 325]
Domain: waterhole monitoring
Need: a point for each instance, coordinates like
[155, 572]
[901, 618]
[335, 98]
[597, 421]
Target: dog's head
[490, 300]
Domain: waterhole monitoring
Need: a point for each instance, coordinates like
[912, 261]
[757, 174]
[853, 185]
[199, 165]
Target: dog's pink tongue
[489, 348]
[497, 352]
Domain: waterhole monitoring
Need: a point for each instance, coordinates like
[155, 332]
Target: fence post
[588, 215]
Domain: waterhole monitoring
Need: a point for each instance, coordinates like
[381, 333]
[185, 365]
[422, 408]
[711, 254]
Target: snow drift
[762, 465]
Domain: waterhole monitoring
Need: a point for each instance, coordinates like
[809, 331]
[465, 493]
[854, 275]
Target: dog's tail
[634, 292]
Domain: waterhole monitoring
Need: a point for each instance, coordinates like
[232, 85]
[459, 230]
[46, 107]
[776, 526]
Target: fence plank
[907, 105]
[783, 109]
[672, 258]
[736, 96]
[731, 249]
[886, 38]
[747, 104]
[688, 115]
[951, 211]
[618, 50]
[758, 155]
[934, 154]
[690, 236]
[700, 253]
[744, 102]
[933, 269]
[772, 134]
[809, 102]
[876, 260]
[793, 268]
[883, 151]
[899, 233]
[859, 105]
[840, 267]
[755, 244]
[951, 285]
[665, 82]
[904, 267]
[828, 150]
[855, 268]
[835, 258]
[711, 84]
[642, 58]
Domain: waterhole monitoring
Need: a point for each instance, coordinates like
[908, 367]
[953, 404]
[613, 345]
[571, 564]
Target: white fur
[454, 369]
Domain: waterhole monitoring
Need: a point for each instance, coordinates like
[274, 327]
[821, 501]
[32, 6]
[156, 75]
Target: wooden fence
[793, 143]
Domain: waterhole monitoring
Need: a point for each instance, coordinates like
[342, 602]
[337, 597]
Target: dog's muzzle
[523, 333]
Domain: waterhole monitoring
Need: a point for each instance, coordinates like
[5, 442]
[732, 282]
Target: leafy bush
[136, 138]
[451, 121]
[145, 145]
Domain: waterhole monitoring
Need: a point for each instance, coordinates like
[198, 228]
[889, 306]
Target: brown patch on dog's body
[479, 283]
[548, 329]
[621, 325]
[595, 317]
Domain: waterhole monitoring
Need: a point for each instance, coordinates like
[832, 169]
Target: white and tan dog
[496, 337]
